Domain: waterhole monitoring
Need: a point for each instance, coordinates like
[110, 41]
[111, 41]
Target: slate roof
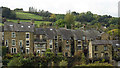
[78, 34]
[91, 34]
[65, 33]
[101, 42]
[115, 43]
[22, 27]
[40, 31]
[50, 32]
[112, 42]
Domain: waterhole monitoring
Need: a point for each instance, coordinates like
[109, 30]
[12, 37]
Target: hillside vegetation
[23, 15]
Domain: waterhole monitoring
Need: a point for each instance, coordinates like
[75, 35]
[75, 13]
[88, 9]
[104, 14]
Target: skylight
[11, 25]
[28, 26]
[22, 26]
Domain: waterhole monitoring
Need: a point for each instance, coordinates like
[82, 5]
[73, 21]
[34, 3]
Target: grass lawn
[36, 22]
[23, 15]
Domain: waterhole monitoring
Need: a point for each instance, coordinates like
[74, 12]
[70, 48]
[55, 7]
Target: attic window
[11, 25]
[51, 29]
[28, 26]
[22, 26]
[117, 44]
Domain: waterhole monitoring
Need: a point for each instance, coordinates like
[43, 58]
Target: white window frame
[20, 42]
[12, 42]
[26, 43]
[13, 50]
[7, 43]
[38, 50]
[52, 46]
[26, 35]
[13, 35]
[51, 41]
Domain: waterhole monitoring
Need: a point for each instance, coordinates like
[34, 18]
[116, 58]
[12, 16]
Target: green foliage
[23, 15]
[53, 17]
[114, 32]
[4, 50]
[69, 19]
[63, 63]
[60, 23]
[48, 54]
[60, 16]
[15, 62]
[83, 59]
[7, 13]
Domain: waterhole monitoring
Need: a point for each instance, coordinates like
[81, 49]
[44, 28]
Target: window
[50, 46]
[67, 42]
[96, 48]
[67, 46]
[55, 37]
[50, 41]
[27, 35]
[20, 43]
[105, 48]
[27, 50]
[78, 41]
[83, 37]
[56, 45]
[96, 55]
[38, 51]
[79, 47]
[66, 53]
[13, 42]
[106, 55]
[13, 35]
[27, 43]
[6, 42]
[13, 50]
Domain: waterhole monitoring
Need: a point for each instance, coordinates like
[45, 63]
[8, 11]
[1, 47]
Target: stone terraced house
[18, 37]
[25, 38]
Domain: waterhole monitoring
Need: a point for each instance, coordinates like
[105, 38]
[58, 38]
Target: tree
[6, 12]
[60, 23]
[15, 62]
[69, 19]
[4, 50]
[83, 60]
[52, 17]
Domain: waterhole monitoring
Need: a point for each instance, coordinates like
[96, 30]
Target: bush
[63, 63]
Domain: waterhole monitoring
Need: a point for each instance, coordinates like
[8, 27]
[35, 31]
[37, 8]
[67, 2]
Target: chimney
[65, 26]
